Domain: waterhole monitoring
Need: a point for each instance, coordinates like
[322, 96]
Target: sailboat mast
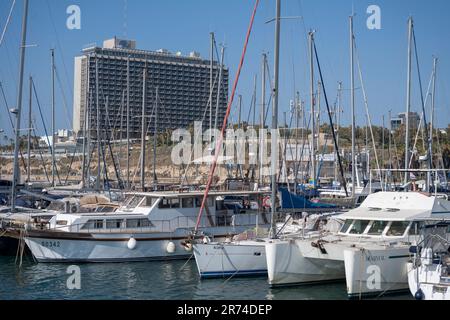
[128, 124]
[219, 87]
[338, 126]
[144, 81]
[98, 124]
[313, 120]
[155, 178]
[16, 172]
[53, 119]
[262, 115]
[29, 131]
[352, 105]
[408, 98]
[211, 85]
[274, 140]
[433, 101]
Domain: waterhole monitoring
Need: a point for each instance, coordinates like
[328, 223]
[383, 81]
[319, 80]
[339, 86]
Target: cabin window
[61, 222]
[164, 203]
[93, 224]
[148, 202]
[114, 224]
[397, 228]
[377, 228]
[346, 225]
[414, 229]
[174, 203]
[133, 203]
[187, 202]
[138, 223]
[359, 226]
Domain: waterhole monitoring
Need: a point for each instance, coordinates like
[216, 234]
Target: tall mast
[16, 170]
[98, 124]
[144, 78]
[338, 126]
[128, 123]
[85, 126]
[261, 123]
[433, 101]
[319, 86]
[211, 84]
[352, 105]
[155, 178]
[313, 120]
[29, 131]
[274, 140]
[222, 52]
[408, 98]
[53, 120]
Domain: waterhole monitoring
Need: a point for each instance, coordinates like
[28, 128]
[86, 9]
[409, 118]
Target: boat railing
[170, 225]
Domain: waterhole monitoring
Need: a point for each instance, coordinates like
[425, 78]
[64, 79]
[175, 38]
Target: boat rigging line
[225, 120]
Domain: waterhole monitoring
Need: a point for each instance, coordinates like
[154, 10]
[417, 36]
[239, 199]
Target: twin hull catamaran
[370, 251]
[148, 226]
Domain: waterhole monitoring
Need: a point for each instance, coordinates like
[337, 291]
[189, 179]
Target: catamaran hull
[235, 259]
[287, 265]
[373, 272]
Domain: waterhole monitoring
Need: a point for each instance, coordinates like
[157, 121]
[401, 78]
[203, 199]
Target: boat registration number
[51, 244]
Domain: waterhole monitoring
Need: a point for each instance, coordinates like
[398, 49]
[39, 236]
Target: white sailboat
[429, 270]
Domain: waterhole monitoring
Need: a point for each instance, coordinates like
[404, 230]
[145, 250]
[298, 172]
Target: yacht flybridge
[147, 226]
[370, 251]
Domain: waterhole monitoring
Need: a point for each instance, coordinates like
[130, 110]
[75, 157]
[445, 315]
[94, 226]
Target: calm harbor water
[170, 280]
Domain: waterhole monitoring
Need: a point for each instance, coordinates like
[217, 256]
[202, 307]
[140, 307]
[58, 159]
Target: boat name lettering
[51, 244]
[375, 258]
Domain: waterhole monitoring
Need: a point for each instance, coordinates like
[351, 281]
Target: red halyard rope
[227, 114]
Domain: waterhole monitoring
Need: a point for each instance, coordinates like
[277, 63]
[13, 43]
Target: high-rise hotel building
[110, 78]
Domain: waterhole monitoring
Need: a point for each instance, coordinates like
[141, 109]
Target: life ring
[267, 202]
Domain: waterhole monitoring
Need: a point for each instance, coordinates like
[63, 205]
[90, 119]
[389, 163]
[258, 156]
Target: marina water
[161, 280]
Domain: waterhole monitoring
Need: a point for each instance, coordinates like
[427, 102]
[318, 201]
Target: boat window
[134, 202]
[377, 228]
[93, 224]
[114, 223]
[187, 202]
[174, 203]
[397, 228]
[346, 225]
[148, 202]
[414, 229]
[209, 202]
[61, 222]
[138, 223]
[164, 203]
[359, 226]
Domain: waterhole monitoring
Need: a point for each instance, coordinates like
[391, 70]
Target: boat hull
[78, 247]
[375, 272]
[246, 258]
[287, 265]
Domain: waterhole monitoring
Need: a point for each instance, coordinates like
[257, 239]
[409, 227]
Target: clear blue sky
[184, 25]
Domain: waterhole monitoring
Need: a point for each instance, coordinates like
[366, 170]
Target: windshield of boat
[346, 226]
[377, 228]
[359, 226]
[397, 228]
[133, 201]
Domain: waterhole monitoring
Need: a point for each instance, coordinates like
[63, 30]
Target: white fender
[131, 244]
